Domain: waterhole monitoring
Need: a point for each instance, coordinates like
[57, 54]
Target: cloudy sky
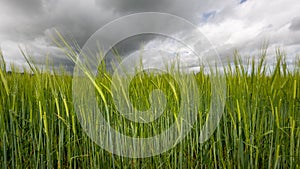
[229, 24]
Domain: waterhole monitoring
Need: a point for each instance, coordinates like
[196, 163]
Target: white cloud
[247, 26]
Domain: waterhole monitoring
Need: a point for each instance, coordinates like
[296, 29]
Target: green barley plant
[259, 128]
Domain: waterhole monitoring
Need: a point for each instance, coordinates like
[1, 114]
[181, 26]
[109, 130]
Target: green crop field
[260, 126]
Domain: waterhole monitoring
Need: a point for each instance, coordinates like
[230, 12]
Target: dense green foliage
[260, 127]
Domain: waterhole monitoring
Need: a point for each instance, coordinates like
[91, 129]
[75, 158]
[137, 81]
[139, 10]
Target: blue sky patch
[242, 1]
[207, 15]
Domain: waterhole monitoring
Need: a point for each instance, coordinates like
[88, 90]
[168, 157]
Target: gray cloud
[67, 16]
[295, 25]
[25, 22]
[24, 7]
[136, 5]
[191, 10]
[243, 26]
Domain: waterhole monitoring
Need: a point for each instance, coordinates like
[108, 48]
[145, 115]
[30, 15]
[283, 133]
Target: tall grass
[259, 127]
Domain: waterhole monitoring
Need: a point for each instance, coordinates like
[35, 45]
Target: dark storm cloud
[56, 63]
[295, 25]
[128, 46]
[27, 6]
[229, 23]
[136, 5]
[68, 16]
[190, 10]
[133, 43]
[25, 22]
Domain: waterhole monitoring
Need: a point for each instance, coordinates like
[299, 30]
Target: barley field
[260, 126]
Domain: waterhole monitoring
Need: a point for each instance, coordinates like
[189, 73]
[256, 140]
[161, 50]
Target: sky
[243, 25]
